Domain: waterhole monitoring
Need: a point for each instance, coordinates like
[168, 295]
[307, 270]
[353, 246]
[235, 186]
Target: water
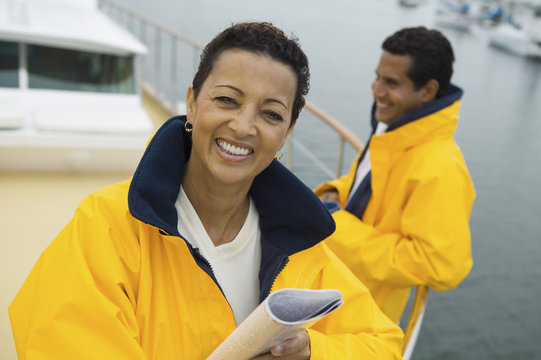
[495, 313]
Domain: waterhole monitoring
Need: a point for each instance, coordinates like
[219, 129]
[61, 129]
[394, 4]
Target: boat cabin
[69, 92]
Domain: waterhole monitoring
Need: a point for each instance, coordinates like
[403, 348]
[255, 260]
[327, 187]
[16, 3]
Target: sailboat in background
[455, 14]
[519, 31]
[410, 3]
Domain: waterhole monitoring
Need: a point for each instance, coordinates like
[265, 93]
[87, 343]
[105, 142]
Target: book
[275, 320]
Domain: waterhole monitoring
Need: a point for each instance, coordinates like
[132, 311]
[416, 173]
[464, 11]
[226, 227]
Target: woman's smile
[232, 149]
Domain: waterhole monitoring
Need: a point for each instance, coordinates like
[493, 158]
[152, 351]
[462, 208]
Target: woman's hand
[297, 348]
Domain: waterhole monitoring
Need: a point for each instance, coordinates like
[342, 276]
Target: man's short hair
[431, 52]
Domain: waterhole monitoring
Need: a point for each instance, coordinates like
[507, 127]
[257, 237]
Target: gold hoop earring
[186, 128]
[280, 155]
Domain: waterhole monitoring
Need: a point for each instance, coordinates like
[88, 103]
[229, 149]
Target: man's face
[393, 90]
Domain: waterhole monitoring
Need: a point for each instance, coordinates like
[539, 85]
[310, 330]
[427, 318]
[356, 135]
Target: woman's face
[241, 117]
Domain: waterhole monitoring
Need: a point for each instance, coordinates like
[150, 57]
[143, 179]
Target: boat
[68, 89]
[455, 15]
[516, 39]
[519, 29]
[492, 16]
[410, 3]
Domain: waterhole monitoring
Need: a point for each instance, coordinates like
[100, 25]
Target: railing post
[157, 63]
[142, 30]
[173, 75]
[23, 66]
[340, 158]
[289, 152]
[195, 60]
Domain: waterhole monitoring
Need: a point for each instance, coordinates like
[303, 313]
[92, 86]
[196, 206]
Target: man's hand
[297, 348]
[330, 195]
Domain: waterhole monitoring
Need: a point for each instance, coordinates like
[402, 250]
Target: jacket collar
[453, 94]
[291, 217]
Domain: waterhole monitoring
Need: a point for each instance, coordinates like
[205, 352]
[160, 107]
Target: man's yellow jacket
[415, 228]
[120, 282]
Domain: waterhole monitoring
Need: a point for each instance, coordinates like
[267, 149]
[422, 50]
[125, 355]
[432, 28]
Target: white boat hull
[516, 41]
[454, 20]
[45, 130]
[69, 152]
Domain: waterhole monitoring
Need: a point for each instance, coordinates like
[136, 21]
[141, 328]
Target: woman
[165, 265]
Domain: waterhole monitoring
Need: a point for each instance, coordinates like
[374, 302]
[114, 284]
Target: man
[403, 210]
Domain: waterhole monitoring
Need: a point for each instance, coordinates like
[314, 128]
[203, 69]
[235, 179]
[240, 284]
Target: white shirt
[364, 167]
[235, 264]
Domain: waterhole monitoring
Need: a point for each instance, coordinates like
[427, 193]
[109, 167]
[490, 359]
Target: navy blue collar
[291, 216]
[453, 94]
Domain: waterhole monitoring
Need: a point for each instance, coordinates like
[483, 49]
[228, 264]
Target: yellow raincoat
[120, 282]
[415, 228]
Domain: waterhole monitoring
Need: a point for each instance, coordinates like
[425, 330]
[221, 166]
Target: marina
[493, 314]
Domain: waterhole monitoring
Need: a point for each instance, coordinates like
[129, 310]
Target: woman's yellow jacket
[415, 229]
[120, 282]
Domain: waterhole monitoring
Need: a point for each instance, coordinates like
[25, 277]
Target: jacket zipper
[205, 265]
[283, 264]
[200, 260]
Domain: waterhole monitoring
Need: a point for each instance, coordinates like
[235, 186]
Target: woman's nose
[243, 122]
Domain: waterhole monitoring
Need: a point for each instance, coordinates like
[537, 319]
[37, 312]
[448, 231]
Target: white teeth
[232, 149]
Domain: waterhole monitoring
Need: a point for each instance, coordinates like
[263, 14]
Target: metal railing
[167, 70]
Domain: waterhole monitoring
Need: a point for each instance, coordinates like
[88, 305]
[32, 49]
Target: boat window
[62, 69]
[9, 64]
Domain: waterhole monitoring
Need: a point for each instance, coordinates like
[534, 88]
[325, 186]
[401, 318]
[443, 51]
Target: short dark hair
[262, 38]
[432, 55]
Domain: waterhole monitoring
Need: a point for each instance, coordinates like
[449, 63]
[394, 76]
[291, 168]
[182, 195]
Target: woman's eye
[226, 100]
[274, 115]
